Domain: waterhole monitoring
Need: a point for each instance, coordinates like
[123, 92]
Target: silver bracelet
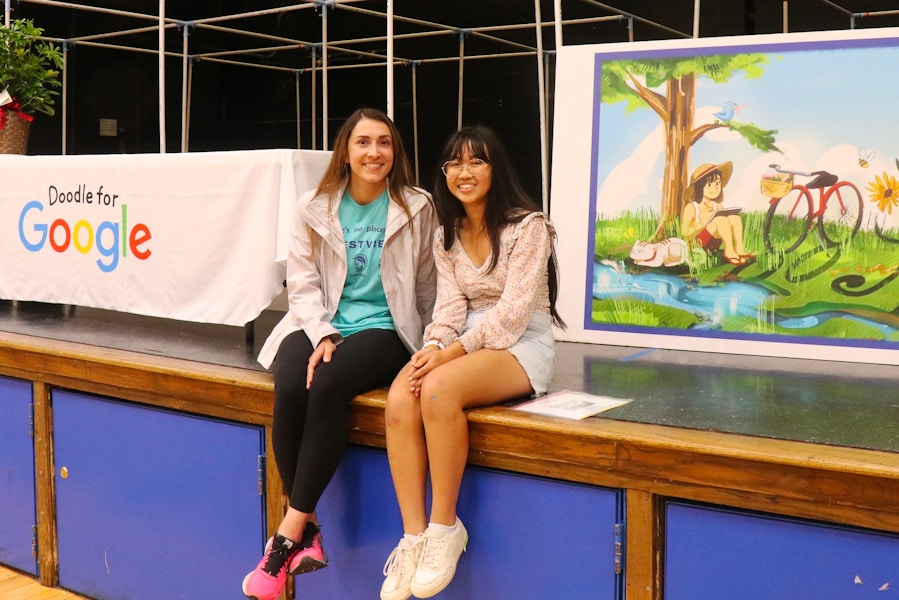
[437, 343]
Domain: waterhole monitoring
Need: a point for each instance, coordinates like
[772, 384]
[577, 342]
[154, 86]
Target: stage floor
[824, 402]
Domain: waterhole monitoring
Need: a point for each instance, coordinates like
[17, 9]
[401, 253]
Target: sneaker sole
[307, 565]
[243, 588]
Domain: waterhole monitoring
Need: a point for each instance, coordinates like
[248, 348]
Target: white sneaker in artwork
[400, 567]
[439, 557]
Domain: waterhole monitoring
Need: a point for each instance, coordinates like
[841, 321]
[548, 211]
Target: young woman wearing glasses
[490, 340]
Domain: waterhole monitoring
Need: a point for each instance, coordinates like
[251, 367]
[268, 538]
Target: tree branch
[700, 131]
[655, 100]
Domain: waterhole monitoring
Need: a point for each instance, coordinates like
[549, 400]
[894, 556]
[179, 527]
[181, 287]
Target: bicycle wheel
[787, 222]
[842, 214]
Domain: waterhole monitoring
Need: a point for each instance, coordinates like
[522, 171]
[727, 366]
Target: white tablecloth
[199, 236]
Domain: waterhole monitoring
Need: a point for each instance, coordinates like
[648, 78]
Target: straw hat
[726, 168]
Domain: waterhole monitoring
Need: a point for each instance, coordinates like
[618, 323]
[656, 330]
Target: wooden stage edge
[650, 463]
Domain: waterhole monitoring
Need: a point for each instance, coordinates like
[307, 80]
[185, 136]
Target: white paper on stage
[195, 236]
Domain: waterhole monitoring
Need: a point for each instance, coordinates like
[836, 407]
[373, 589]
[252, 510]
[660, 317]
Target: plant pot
[14, 135]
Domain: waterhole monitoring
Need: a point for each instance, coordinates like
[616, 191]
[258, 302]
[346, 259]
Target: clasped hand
[423, 362]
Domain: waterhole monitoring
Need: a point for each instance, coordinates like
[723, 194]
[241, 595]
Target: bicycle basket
[776, 186]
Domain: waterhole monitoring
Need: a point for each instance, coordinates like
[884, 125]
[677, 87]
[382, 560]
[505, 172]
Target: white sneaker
[400, 567]
[437, 564]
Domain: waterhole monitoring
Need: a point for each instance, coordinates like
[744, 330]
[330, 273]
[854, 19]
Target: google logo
[82, 237]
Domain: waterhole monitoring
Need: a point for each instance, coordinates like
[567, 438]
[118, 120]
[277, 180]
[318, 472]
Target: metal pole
[390, 82]
[557, 6]
[786, 17]
[65, 96]
[415, 118]
[696, 18]
[325, 141]
[296, 87]
[190, 91]
[541, 79]
[461, 79]
[6, 12]
[162, 76]
[184, 68]
[314, 107]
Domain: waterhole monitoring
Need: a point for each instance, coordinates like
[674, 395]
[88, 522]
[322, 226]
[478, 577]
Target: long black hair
[507, 202]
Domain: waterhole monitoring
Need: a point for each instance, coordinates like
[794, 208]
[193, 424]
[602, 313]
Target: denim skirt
[535, 350]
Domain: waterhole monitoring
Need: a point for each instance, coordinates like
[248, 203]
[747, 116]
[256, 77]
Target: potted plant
[29, 77]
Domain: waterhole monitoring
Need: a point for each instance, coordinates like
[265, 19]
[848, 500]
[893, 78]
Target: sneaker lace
[393, 561]
[400, 559]
[433, 551]
[276, 558]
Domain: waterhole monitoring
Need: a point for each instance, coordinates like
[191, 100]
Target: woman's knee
[439, 398]
[403, 408]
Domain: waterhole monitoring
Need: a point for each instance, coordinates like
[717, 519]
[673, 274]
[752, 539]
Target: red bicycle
[792, 214]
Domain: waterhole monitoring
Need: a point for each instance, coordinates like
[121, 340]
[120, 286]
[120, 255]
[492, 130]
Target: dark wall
[235, 107]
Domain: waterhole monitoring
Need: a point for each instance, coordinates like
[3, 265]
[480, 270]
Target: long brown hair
[337, 174]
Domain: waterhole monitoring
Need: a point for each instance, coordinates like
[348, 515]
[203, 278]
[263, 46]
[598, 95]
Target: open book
[726, 211]
[570, 405]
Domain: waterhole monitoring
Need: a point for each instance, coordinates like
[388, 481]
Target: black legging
[311, 427]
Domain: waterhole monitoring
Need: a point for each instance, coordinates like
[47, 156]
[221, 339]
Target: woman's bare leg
[407, 453]
[477, 379]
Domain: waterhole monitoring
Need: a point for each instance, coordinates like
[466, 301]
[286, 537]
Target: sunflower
[885, 192]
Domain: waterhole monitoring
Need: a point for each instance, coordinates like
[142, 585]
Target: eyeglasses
[476, 167]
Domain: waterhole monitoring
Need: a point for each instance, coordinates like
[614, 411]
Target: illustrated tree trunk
[681, 102]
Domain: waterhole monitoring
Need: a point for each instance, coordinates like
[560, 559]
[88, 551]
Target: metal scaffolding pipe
[696, 18]
[541, 107]
[557, 10]
[390, 82]
[184, 66]
[97, 9]
[314, 99]
[65, 97]
[325, 141]
[461, 79]
[415, 119]
[296, 93]
[162, 76]
[376, 60]
[113, 34]
[190, 91]
[635, 17]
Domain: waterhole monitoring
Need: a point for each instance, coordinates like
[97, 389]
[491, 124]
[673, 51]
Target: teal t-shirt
[363, 304]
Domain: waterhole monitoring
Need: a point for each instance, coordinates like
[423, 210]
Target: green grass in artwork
[632, 311]
[836, 328]
[859, 276]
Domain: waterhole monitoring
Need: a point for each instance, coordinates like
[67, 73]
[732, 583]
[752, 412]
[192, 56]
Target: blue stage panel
[531, 538]
[713, 553]
[153, 504]
[17, 486]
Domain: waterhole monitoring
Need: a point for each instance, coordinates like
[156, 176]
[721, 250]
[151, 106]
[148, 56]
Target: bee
[864, 156]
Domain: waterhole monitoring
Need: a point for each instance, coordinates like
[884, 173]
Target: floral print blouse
[509, 295]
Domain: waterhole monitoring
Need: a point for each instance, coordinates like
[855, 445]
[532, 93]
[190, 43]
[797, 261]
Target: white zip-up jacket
[317, 269]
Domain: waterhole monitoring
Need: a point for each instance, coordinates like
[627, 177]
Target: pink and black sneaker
[267, 580]
[311, 555]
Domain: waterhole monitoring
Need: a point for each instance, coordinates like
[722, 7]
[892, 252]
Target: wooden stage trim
[649, 462]
[841, 485]
[845, 485]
